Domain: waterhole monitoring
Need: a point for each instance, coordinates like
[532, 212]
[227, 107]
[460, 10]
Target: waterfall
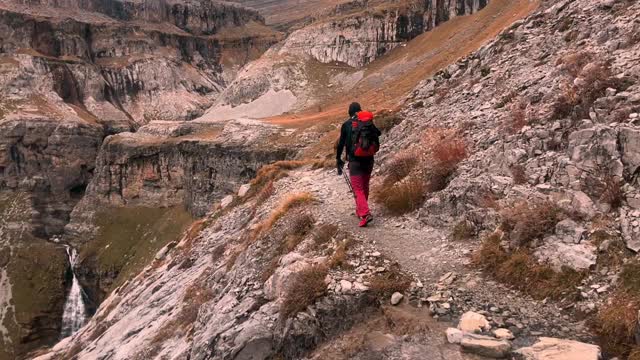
[75, 313]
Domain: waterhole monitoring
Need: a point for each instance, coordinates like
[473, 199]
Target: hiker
[360, 137]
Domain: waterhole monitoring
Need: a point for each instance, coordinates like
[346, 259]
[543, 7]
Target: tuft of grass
[612, 192]
[402, 197]
[565, 103]
[616, 324]
[386, 120]
[325, 233]
[517, 118]
[400, 167]
[388, 282]
[522, 271]
[270, 173]
[265, 193]
[299, 227]
[290, 202]
[339, 257]
[518, 174]
[463, 230]
[573, 63]
[446, 155]
[526, 221]
[306, 286]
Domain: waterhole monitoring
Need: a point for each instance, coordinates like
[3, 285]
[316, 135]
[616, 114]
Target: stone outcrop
[185, 164]
[211, 285]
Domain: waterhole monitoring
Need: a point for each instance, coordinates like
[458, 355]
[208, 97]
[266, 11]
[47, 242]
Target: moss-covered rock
[128, 238]
[32, 281]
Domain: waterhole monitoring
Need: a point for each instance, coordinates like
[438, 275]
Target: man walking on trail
[360, 137]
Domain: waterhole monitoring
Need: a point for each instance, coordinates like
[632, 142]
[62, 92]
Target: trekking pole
[346, 178]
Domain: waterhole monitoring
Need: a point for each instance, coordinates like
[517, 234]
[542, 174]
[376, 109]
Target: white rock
[473, 322]
[558, 349]
[359, 286]
[396, 298]
[454, 336]
[576, 256]
[226, 201]
[346, 286]
[503, 334]
[244, 189]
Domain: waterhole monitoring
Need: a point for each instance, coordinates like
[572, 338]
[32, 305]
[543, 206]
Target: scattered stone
[454, 336]
[345, 286]
[485, 346]
[505, 334]
[448, 278]
[396, 298]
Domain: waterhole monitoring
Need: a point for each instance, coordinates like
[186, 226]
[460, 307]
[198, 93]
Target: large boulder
[473, 322]
[630, 226]
[558, 254]
[558, 349]
[569, 231]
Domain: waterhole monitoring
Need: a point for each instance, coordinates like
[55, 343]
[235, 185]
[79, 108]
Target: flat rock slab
[558, 349]
[486, 346]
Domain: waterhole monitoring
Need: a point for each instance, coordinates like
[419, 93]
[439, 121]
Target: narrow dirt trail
[423, 250]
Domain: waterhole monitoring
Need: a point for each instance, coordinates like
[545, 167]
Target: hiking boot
[365, 220]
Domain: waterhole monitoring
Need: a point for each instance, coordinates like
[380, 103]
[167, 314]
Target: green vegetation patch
[128, 238]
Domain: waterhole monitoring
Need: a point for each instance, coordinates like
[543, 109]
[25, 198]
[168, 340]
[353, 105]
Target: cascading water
[75, 312]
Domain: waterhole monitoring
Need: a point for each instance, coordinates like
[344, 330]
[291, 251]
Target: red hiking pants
[360, 184]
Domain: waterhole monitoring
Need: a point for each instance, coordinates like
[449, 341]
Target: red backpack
[364, 135]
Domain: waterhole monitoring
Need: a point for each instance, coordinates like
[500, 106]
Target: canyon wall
[359, 39]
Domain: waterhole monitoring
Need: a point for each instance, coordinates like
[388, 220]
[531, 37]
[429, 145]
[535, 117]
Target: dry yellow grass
[306, 286]
[290, 202]
[522, 271]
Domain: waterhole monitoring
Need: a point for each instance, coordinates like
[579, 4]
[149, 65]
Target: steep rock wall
[359, 39]
[196, 17]
[53, 161]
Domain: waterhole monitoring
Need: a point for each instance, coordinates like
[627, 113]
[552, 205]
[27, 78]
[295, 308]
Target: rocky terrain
[73, 73]
[505, 192]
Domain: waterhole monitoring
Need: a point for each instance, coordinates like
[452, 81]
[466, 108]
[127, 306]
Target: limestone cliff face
[53, 161]
[163, 165]
[358, 40]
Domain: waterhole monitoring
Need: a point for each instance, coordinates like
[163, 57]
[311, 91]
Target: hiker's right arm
[341, 143]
